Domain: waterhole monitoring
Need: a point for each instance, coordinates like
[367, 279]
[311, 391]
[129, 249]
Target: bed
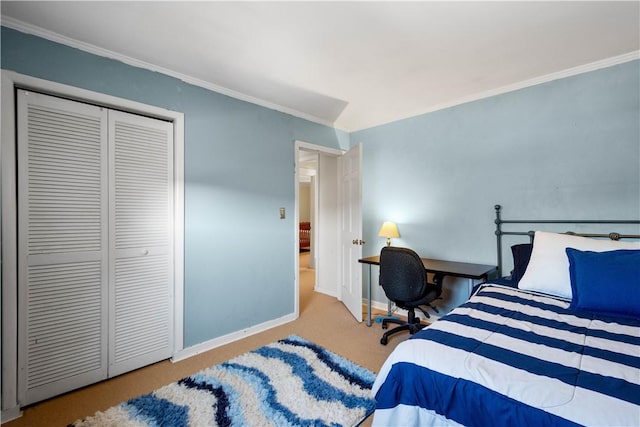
[557, 342]
[305, 236]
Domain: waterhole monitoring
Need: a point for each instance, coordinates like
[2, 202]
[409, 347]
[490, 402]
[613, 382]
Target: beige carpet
[323, 320]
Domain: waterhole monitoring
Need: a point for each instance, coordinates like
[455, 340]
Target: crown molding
[569, 72]
[58, 38]
[580, 69]
[87, 47]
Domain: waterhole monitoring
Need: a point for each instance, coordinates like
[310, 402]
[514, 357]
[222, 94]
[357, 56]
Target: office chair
[404, 281]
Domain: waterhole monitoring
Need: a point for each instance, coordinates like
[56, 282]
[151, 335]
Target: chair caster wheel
[385, 326]
[383, 340]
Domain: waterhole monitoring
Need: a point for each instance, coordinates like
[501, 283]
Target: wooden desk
[439, 268]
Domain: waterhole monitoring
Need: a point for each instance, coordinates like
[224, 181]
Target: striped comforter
[508, 357]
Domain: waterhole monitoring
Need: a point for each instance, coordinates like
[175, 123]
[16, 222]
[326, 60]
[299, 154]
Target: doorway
[326, 250]
[318, 166]
[307, 168]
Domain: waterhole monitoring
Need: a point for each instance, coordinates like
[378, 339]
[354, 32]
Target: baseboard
[326, 292]
[10, 414]
[229, 338]
[382, 306]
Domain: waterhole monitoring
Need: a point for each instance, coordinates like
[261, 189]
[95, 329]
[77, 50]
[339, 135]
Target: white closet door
[62, 245]
[141, 241]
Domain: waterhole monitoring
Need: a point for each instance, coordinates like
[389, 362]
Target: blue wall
[569, 148]
[239, 256]
[565, 149]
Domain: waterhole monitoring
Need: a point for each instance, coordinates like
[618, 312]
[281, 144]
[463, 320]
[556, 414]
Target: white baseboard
[10, 414]
[331, 293]
[377, 305]
[229, 338]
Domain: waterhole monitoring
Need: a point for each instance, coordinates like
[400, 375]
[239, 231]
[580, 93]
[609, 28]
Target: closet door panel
[141, 263]
[62, 246]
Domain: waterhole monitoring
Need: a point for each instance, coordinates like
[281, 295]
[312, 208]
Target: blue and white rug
[292, 382]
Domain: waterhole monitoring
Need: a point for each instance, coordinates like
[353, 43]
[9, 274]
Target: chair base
[413, 325]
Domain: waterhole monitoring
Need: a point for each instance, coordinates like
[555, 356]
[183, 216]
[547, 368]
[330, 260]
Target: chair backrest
[402, 274]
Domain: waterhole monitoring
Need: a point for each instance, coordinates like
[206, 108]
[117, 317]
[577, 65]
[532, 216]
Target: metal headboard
[499, 232]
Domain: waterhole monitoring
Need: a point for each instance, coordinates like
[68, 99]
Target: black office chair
[404, 280]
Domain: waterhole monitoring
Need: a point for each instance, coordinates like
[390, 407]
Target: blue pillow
[605, 282]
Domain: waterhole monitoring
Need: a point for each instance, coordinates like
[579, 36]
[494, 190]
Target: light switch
[282, 213]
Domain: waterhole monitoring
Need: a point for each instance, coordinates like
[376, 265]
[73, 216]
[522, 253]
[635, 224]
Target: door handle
[358, 242]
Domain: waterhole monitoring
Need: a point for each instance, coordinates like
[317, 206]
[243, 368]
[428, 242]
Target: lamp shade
[388, 229]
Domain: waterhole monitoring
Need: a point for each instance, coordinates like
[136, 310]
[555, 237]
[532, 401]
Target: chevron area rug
[292, 382]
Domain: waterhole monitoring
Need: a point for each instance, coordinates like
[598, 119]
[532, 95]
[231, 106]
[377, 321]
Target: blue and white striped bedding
[509, 357]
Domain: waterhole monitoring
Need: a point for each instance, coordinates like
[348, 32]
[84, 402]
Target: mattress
[510, 357]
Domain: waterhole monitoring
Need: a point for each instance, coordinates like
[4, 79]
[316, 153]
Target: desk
[439, 268]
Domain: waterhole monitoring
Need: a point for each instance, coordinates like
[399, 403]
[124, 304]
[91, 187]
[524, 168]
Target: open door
[350, 165]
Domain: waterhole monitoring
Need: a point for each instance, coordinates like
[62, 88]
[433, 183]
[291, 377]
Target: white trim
[8, 212]
[569, 72]
[229, 338]
[86, 47]
[383, 306]
[573, 71]
[10, 414]
[58, 38]
[178, 241]
[328, 292]
[298, 145]
[313, 147]
[10, 80]
[296, 233]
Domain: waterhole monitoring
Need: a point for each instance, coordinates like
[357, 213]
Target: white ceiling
[353, 65]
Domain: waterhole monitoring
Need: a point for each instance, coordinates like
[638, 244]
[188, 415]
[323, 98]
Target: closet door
[141, 241]
[62, 245]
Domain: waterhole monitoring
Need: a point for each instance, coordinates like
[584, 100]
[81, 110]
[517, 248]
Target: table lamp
[388, 230]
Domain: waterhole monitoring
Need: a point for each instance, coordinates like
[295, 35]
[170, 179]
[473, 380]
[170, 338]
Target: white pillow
[548, 269]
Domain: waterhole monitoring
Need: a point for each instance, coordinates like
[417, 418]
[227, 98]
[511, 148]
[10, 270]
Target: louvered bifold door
[141, 241]
[62, 245]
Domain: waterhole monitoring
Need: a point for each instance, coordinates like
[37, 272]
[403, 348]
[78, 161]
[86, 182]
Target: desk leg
[369, 299]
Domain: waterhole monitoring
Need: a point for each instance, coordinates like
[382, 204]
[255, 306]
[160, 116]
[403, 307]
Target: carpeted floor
[323, 320]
